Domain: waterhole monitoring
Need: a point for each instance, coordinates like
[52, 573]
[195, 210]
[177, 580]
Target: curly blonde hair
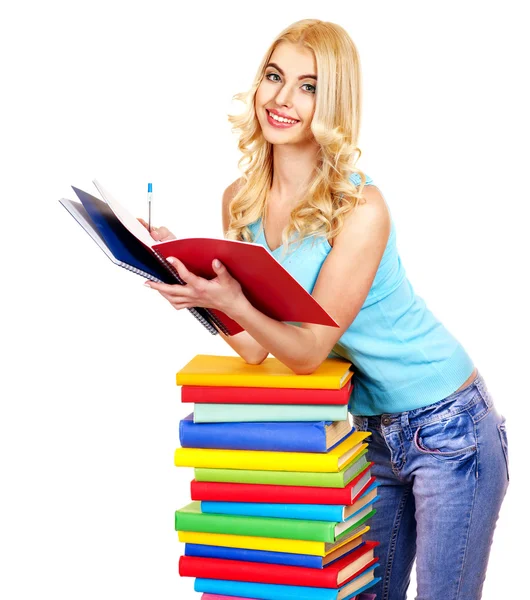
[331, 195]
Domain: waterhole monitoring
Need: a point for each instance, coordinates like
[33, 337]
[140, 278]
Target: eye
[311, 91]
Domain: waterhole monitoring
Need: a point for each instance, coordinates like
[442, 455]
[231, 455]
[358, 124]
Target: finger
[220, 270]
[166, 288]
[155, 234]
[185, 274]
[177, 305]
[164, 231]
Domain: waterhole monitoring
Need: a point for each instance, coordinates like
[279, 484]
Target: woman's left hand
[223, 293]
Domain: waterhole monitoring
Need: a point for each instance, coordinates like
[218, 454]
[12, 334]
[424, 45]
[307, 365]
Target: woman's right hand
[160, 234]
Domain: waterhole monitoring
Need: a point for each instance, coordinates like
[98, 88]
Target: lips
[279, 114]
[279, 124]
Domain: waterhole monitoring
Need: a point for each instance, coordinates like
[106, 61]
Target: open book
[268, 286]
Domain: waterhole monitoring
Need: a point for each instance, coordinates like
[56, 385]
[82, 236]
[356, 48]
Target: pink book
[217, 597]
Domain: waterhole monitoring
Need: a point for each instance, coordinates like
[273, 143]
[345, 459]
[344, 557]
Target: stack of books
[283, 491]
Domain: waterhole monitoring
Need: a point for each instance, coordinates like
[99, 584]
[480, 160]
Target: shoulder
[368, 220]
[228, 196]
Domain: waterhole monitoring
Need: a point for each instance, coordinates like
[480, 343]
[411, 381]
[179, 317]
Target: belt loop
[405, 425]
[483, 390]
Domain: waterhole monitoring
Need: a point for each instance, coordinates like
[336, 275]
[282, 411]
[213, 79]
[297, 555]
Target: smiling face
[287, 91]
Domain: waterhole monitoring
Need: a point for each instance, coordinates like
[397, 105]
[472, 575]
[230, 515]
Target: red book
[267, 285]
[240, 395]
[333, 576]
[283, 494]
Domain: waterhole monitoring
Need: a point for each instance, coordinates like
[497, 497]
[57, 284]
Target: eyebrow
[301, 76]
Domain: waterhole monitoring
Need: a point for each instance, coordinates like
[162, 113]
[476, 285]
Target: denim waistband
[474, 398]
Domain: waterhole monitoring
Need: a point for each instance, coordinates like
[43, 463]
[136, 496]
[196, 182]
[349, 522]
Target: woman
[438, 443]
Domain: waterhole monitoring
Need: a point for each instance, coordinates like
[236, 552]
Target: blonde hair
[335, 125]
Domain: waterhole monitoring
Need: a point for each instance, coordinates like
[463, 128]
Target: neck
[293, 168]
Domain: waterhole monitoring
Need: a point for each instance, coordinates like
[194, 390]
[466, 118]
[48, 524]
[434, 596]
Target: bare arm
[243, 343]
[343, 283]
[341, 288]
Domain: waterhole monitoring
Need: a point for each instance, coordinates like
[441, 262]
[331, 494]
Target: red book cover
[281, 494]
[240, 395]
[238, 570]
[268, 286]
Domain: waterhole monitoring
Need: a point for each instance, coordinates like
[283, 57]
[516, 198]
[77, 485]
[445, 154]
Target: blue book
[266, 591]
[291, 436]
[120, 241]
[310, 512]
[261, 556]
[265, 556]
[124, 249]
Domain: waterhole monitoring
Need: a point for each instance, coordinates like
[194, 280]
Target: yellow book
[233, 371]
[261, 460]
[272, 544]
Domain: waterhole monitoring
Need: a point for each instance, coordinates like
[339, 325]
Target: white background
[134, 92]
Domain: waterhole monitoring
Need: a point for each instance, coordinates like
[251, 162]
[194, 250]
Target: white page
[125, 217]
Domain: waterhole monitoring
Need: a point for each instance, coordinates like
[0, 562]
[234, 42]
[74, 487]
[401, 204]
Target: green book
[332, 480]
[190, 518]
[244, 413]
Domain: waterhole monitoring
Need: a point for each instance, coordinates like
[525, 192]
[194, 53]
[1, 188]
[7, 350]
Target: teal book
[266, 591]
[244, 413]
[311, 512]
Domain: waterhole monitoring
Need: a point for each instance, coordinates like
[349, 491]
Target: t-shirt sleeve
[355, 178]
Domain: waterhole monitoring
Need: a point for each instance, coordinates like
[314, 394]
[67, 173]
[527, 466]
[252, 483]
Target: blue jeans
[443, 474]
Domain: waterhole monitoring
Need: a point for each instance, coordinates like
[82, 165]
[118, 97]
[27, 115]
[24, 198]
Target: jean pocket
[501, 427]
[451, 438]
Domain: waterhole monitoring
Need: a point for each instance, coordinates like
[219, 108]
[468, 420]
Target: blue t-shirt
[403, 357]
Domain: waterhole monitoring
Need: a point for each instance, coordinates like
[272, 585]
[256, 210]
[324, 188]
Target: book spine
[248, 492]
[256, 543]
[263, 591]
[312, 381]
[309, 512]
[199, 394]
[259, 556]
[257, 460]
[191, 566]
[267, 436]
[223, 597]
[222, 413]
[321, 480]
[202, 314]
[314, 531]
[290, 478]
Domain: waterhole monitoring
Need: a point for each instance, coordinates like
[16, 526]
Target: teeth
[281, 119]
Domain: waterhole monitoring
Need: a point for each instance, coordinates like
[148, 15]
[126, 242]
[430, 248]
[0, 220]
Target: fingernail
[171, 260]
[147, 284]
[216, 263]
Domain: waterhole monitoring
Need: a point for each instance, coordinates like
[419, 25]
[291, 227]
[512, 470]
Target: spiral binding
[207, 318]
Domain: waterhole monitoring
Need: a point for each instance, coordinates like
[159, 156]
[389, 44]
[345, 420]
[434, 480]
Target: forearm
[293, 346]
[246, 346]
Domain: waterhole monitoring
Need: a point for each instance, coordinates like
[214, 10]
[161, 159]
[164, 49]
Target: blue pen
[149, 198]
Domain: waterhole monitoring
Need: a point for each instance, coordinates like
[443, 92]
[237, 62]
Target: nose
[284, 96]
